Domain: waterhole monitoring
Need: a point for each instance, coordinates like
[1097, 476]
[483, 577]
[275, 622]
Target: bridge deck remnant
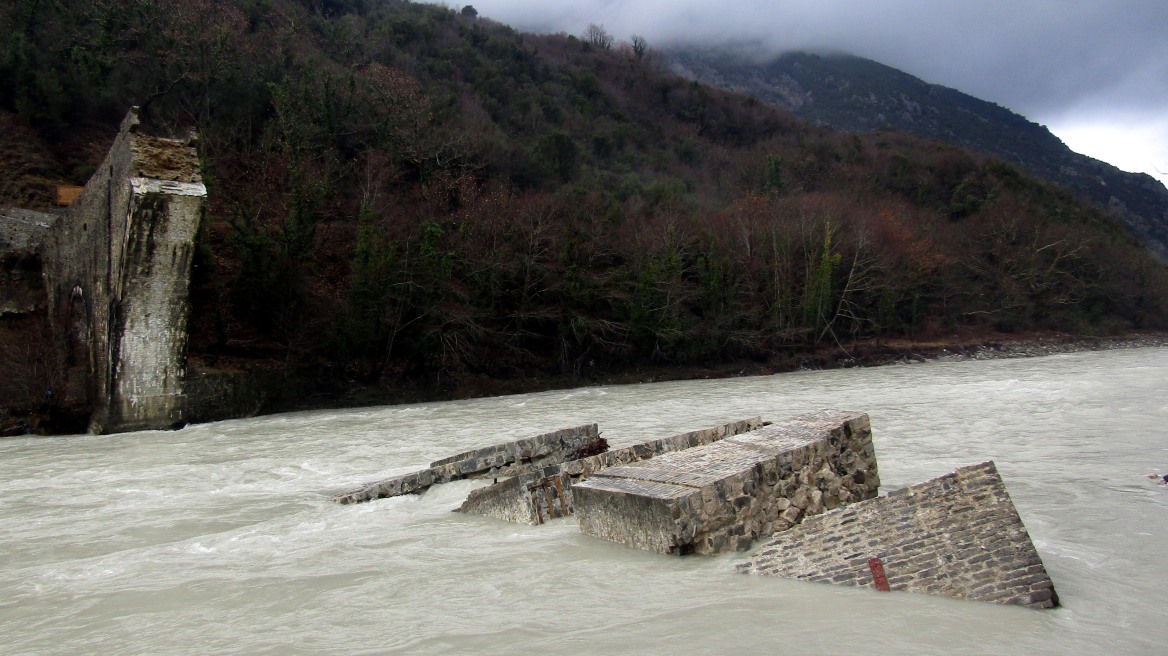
[724, 495]
[957, 536]
[498, 461]
[546, 493]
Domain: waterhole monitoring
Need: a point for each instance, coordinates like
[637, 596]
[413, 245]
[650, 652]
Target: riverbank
[870, 353]
[309, 395]
[1010, 346]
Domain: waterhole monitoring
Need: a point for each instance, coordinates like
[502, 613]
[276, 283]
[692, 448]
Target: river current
[221, 539]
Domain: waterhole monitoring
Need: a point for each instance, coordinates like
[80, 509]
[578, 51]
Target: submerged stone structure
[546, 493]
[956, 536]
[724, 495]
[498, 461]
[809, 483]
[117, 268]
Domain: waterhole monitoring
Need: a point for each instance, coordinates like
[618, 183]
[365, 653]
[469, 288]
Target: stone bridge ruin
[808, 486]
[116, 267]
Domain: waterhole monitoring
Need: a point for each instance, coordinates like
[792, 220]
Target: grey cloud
[1042, 58]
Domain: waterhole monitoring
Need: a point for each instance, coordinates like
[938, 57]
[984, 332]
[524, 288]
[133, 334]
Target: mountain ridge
[854, 94]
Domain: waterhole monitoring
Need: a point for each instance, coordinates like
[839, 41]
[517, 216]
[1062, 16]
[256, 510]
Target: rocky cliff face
[855, 94]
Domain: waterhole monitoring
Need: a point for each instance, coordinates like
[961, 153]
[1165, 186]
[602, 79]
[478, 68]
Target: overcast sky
[1094, 71]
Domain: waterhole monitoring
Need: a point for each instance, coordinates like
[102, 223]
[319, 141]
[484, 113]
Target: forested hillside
[858, 95]
[405, 192]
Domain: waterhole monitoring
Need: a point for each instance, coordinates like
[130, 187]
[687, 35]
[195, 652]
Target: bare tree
[597, 36]
[640, 45]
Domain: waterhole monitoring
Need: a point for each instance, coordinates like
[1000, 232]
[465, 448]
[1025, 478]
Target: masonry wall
[722, 496]
[215, 396]
[117, 268]
[22, 233]
[957, 536]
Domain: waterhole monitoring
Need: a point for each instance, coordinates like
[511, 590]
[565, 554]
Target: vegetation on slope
[855, 94]
[409, 192]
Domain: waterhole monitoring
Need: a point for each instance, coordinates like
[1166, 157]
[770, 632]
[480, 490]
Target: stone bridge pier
[117, 272]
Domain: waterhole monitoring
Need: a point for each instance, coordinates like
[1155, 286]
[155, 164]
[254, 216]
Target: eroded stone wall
[957, 536]
[723, 496]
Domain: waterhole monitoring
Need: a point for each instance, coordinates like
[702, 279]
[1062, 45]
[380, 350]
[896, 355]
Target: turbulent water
[221, 539]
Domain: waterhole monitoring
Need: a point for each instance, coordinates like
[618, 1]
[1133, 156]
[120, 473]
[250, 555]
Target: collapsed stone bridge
[808, 485]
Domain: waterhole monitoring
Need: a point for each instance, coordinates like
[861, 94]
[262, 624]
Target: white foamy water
[221, 539]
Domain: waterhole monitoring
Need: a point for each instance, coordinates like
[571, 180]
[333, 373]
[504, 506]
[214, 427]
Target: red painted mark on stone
[877, 568]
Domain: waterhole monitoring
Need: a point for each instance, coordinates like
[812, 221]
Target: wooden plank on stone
[67, 194]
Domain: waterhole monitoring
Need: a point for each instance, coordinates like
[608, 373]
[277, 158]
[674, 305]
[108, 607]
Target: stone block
[723, 495]
[958, 535]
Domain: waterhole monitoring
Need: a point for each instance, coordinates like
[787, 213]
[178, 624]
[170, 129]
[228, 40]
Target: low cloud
[1054, 61]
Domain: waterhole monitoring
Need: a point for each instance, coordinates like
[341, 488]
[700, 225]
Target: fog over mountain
[1095, 72]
